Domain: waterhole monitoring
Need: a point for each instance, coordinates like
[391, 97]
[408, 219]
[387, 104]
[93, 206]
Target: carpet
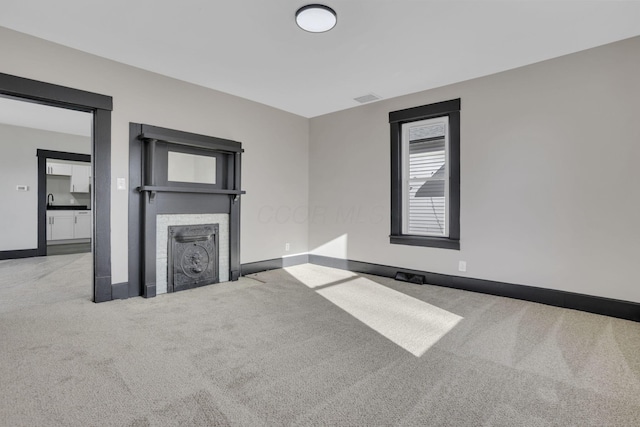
[298, 347]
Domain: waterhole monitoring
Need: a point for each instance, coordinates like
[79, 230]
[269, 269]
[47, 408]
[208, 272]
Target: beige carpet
[307, 346]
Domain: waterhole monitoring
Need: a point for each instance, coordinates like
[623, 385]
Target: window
[424, 177]
[425, 181]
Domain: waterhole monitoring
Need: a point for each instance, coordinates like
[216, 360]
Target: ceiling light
[316, 18]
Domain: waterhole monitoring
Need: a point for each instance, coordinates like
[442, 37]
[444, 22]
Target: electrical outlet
[462, 266]
[287, 247]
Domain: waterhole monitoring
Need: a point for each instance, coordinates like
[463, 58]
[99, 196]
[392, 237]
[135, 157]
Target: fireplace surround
[162, 198]
[163, 242]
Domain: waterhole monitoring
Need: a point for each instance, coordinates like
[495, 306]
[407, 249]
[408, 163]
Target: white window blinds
[426, 178]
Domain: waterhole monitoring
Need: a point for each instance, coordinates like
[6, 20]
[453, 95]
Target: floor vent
[418, 279]
[367, 98]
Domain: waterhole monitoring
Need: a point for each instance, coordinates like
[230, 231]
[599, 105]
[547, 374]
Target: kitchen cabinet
[80, 178]
[54, 168]
[81, 224]
[60, 225]
[68, 225]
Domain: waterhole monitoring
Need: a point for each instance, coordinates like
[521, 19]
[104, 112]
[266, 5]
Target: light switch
[121, 184]
[22, 188]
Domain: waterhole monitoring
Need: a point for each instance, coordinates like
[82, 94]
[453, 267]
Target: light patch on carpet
[406, 321]
[315, 276]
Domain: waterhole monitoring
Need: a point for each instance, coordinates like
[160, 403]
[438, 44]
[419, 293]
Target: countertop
[67, 208]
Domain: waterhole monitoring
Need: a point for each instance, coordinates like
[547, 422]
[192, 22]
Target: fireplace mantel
[152, 195]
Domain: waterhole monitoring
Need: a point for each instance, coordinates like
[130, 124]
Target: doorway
[99, 108]
[66, 196]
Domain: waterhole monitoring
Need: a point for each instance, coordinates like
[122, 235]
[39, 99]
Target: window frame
[451, 110]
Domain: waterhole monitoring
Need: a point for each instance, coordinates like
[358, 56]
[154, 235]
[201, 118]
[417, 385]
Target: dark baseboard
[69, 248]
[24, 253]
[272, 264]
[589, 303]
[120, 290]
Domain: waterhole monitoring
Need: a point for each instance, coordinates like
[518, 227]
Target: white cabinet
[67, 225]
[80, 175]
[60, 225]
[82, 224]
[80, 178]
[54, 168]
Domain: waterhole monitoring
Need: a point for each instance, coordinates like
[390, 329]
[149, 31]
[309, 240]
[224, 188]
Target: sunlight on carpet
[406, 321]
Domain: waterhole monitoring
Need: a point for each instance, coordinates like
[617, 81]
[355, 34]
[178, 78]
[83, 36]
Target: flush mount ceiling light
[316, 18]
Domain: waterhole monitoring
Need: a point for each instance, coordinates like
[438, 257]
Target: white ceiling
[43, 117]
[253, 48]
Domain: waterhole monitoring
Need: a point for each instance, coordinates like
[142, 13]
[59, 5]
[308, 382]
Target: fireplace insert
[193, 256]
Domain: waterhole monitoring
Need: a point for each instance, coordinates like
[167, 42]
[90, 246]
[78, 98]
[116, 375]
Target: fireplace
[165, 254]
[193, 256]
[184, 214]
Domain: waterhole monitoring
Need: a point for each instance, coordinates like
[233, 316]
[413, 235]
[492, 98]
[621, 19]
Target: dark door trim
[101, 106]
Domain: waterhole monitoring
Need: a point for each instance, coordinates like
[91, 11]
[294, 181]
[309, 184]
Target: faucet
[52, 199]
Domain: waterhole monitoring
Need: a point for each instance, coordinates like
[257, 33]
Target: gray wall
[549, 175]
[549, 171]
[19, 166]
[275, 163]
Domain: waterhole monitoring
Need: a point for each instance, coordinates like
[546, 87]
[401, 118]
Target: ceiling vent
[367, 98]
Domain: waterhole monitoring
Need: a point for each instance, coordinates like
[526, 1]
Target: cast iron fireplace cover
[193, 256]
